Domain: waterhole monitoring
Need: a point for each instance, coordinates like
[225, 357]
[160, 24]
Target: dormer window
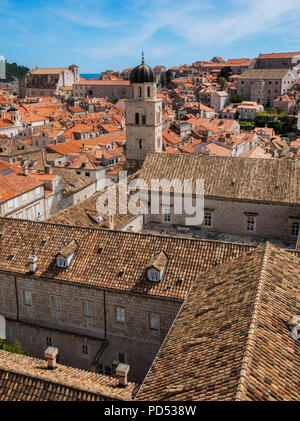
[65, 256]
[61, 262]
[157, 267]
[153, 275]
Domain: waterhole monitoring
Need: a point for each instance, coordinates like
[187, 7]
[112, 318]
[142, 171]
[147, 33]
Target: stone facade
[102, 89]
[38, 325]
[263, 86]
[272, 221]
[143, 121]
[46, 82]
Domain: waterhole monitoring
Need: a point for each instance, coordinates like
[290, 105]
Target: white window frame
[87, 309]
[61, 262]
[153, 316]
[56, 303]
[153, 275]
[24, 197]
[120, 315]
[167, 214]
[27, 298]
[295, 228]
[208, 217]
[251, 224]
[38, 191]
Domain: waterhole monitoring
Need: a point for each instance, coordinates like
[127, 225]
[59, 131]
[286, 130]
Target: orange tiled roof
[232, 338]
[120, 251]
[24, 378]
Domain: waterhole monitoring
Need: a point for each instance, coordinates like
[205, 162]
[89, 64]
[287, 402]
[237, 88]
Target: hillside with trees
[14, 70]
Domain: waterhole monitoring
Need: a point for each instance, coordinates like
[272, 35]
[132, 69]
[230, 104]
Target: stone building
[244, 197]
[47, 82]
[143, 115]
[99, 296]
[115, 88]
[277, 61]
[264, 85]
[21, 195]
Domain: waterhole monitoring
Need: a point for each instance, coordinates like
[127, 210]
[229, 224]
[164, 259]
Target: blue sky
[110, 34]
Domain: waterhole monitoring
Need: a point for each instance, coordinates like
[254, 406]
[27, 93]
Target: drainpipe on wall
[17, 300]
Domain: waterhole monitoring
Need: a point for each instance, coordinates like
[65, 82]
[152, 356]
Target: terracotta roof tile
[232, 338]
[25, 378]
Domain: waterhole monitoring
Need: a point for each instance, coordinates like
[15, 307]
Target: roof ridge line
[251, 335]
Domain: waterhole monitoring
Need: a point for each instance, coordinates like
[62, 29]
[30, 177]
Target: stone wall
[69, 329]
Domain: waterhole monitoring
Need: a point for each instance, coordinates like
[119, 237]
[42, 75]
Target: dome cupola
[142, 73]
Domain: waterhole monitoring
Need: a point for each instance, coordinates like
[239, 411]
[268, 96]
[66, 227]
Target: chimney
[50, 355]
[48, 169]
[32, 261]
[121, 374]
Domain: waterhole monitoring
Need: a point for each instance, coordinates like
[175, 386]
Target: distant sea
[89, 76]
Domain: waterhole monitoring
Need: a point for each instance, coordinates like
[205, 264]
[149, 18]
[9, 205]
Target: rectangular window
[250, 223]
[13, 334]
[87, 309]
[85, 350]
[11, 204]
[48, 341]
[38, 191]
[107, 370]
[120, 315]
[153, 275]
[29, 214]
[207, 219]
[55, 303]
[1, 294]
[167, 213]
[121, 358]
[24, 197]
[27, 298]
[154, 321]
[295, 229]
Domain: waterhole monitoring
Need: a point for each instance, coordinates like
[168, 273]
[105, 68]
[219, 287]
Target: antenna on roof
[143, 58]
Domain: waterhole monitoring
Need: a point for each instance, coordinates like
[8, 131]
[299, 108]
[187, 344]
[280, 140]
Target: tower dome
[142, 73]
[13, 109]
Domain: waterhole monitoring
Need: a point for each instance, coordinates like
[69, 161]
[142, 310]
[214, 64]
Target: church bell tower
[143, 115]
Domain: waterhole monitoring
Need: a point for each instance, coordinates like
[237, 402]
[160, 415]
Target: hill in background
[13, 70]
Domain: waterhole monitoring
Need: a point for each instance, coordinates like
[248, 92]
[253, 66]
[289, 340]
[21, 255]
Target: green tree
[169, 77]
[237, 115]
[15, 348]
[222, 82]
[237, 99]
[226, 72]
[14, 70]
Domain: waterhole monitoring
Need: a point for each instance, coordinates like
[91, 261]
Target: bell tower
[143, 114]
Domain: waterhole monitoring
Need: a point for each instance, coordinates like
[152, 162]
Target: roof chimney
[25, 169]
[32, 263]
[121, 374]
[48, 169]
[50, 355]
